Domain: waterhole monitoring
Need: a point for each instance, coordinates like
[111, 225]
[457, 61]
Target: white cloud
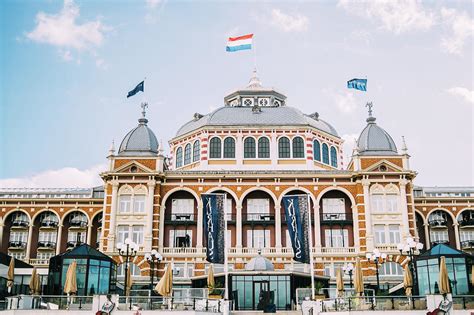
[397, 16]
[467, 94]
[348, 146]
[345, 102]
[66, 177]
[461, 29]
[63, 31]
[288, 22]
[152, 4]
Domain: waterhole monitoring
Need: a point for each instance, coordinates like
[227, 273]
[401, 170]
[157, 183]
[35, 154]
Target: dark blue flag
[297, 218]
[214, 225]
[138, 88]
[358, 84]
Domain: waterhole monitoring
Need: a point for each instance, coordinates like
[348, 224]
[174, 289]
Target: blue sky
[66, 68]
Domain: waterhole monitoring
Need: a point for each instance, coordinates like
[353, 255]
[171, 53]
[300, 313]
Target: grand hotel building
[255, 149]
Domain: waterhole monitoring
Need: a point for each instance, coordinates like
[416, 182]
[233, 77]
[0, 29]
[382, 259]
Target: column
[89, 234]
[317, 228]
[161, 230]
[113, 217]
[355, 226]
[238, 219]
[149, 215]
[274, 148]
[199, 226]
[60, 237]
[368, 216]
[427, 236]
[1, 230]
[239, 149]
[404, 207]
[456, 235]
[278, 226]
[28, 245]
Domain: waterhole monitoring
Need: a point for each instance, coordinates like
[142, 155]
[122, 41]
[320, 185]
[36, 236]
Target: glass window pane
[283, 148]
[333, 157]
[187, 154]
[249, 148]
[196, 151]
[179, 157]
[325, 153]
[215, 148]
[316, 150]
[263, 148]
[229, 148]
[298, 148]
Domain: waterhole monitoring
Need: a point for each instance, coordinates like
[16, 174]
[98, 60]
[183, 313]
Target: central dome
[374, 140]
[140, 141]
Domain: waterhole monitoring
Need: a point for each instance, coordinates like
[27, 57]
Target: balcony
[183, 251]
[16, 245]
[46, 245]
[39, 262]
[78, 223]
[258, 218]
[466, 221]
[20, 223]
[438, 222]
[388, 248]
[335, 251]
[336, 218]
[469, 244]
[47, 223]
[180, 218]
[72, 244]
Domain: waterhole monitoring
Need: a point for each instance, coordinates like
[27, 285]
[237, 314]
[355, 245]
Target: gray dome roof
[259, 263]
[266, 116]
[373, 140]
[140, 141]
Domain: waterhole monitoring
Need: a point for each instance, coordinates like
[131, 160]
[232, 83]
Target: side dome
[374, 140]
[259, 263]
[140, 141]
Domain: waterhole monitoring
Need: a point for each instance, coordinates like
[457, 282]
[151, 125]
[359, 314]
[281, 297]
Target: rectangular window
[377, 203]
[228, 209]
[228, 239]
[182, 209]
[439, 236]
[336, 238]
[394, 234]
[74, 236]
[137, 234]
[44, 255]
[258, 238]
[139, 204]
[124, 204]
[467, 235]
[392, 203]
[18, 237]
[334, 209]
[258, 209]
[379, 234]
[122, 233]
[47, 236]
[181, 238]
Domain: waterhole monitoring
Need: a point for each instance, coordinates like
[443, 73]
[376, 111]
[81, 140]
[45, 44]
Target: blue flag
[297, 219]
[358, 84]
[214, 225]
[138, 88]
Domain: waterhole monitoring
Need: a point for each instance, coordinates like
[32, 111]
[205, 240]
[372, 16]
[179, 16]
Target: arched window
[179, 157]
[316, 150]
[196, 151]
[283, 148]
[333, 157]
[325, 153]
[390, 269]
[187, 154]
[249, 148]
[298, 148]
[229, 148]
[215, 148]
[263, 148]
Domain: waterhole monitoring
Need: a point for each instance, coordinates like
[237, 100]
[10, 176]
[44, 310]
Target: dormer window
[263, 101]
[248, 101]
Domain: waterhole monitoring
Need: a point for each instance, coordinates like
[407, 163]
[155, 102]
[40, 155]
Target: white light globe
[368, 255]
[119, 246]
[154, 252]
[147, 256]
[384, 256]
[419, 246]
[127, 241]
[400, 246]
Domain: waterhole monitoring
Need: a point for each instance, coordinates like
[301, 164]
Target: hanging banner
[214, 227]
[297, 219]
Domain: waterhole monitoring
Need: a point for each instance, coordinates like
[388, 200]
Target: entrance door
[258, 288]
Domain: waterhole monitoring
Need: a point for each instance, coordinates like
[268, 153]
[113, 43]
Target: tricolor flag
[239, 43]
[358, 84]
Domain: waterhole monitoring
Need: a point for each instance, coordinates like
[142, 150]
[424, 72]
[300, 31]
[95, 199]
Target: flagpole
[255, 54]
[311, 248]
[226, 262]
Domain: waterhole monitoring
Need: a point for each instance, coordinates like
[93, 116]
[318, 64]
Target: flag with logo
[297, 219]
[214, 227]
[358, 84]
[140, 87]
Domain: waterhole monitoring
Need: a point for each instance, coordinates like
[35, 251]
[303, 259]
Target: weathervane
[369, 105]
[144, 106]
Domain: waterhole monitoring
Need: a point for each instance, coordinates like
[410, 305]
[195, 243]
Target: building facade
[256, 149]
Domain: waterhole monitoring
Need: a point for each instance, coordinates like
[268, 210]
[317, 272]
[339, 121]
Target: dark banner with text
[214, 227]
[297, 218]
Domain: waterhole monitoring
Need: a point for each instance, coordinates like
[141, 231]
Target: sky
[66, 68]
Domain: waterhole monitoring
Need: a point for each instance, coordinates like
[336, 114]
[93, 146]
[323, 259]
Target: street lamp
[152, 258]
[411, 248]
[376, 258]
[127, 250]
[349, 269]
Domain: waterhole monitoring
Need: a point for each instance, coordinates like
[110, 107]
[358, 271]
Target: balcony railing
[39, 261]
[335, 218]
[47, 223]
[47, 244]
[78, 223]
[71, 244]
[387, 248]
[438, 222]
[16, 244]
[466, 221]
[20, 223]
[467, 244]
[336, 250]
[170, 251]
[258, 218]
[178, 218]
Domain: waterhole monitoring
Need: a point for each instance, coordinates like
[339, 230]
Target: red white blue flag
[239, 43]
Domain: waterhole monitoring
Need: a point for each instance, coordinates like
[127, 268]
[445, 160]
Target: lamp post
[349, 269]
[376, 257]
[152, 258]
[127, 250]
[411, 248]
